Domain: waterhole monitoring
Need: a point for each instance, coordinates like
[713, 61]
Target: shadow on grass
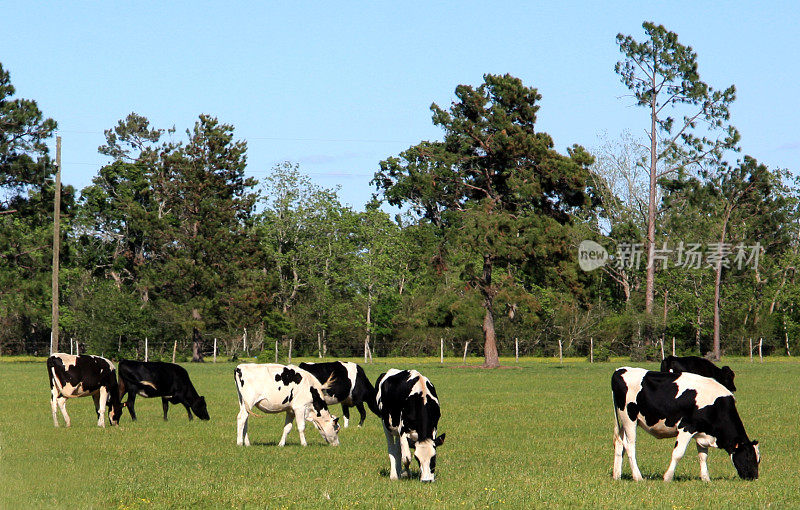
[384, 472]
[659, 477]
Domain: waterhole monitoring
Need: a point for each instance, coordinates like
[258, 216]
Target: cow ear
[755, 442]
[439, 441]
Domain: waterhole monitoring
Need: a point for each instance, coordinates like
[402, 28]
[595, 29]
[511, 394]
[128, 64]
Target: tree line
[173, 242]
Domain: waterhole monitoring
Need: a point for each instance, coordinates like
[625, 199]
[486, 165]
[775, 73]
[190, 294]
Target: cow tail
[237, 380]
[617, 427]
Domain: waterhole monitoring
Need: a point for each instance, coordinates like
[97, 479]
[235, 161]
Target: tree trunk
[197, 351]
[717, 284]
[491, 358]
[651, 207]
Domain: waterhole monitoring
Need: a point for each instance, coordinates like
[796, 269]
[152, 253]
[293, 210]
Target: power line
[278, 139]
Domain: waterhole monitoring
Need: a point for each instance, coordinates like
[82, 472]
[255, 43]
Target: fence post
[145, 350]
[751, 349]
[441, 351]
[244, 341]
[591, 349]
[760, 357]
[516, 349]
[662, 348]
[215, 349]
[466, 345]
[77, 348]
[673, 346]
[174, 348]
[290, 351]
[276, 351]
[560, 353]
[70, 345]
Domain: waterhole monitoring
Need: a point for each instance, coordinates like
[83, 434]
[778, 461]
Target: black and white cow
[349, 386]
[682, 405]
[80, 376]
[158, 379]
[288, 389]
[409, 408]
[699, 366]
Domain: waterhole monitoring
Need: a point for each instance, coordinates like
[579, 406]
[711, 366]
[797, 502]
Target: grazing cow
[408, 405]
[349, 387]
[699, 366]
[286, 389]
[158, 379]
[682, 405]
[79, 376]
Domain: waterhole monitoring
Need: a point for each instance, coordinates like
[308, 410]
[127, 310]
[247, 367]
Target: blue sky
[337, 87]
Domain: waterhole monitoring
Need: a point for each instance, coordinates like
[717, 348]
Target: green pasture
[533, 435]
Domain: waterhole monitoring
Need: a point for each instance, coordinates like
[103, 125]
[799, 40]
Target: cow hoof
[426, 481]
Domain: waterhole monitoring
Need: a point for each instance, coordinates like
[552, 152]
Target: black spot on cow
[619, 389]
[288, 376]
[317, 402]
[288, 397]
[633, 410]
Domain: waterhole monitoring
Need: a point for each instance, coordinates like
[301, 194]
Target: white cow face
[425, 452]
[327, 424]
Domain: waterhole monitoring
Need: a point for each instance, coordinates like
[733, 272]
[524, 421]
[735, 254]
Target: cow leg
[101, 403]
[405, 455]
[677, 453]
[362, 412]
[702, 453]
[165, 407]
[346, 414]
[241, 426]
[300, 418]
[393, 445]
[287, 427]
[629, 442]
[130, 403]
[54, 404]
[188, 410]
[62, 404]
[619, 449]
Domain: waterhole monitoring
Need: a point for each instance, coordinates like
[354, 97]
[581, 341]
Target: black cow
[349, 386]
[699, 366]
[682, 405]
[79, 376]
[407, 403]
[158, 379]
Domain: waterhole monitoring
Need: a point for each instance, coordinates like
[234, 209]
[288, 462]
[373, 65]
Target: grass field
[535, 435]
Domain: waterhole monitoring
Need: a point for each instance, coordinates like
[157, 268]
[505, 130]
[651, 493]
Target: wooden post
[174, 349]
[145, 350]
[215, 349]
[662, 348]
[290, 351]
[56, 249]
[673, 346]
[751, 349]
[276, 351]
[466, 345]
[77, 348]
[760, 357]
[70, 345]
[516, 349]
[441, 351]
[560, 353]
[244, 341]
[591, 350]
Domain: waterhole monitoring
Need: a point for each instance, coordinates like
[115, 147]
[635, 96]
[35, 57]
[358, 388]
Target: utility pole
[56, 246]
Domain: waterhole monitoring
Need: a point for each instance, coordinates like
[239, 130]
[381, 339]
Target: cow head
[114, 409]
[746, 458]
[323, 420]
[199, 408]
[425, 452]
[727, 378]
